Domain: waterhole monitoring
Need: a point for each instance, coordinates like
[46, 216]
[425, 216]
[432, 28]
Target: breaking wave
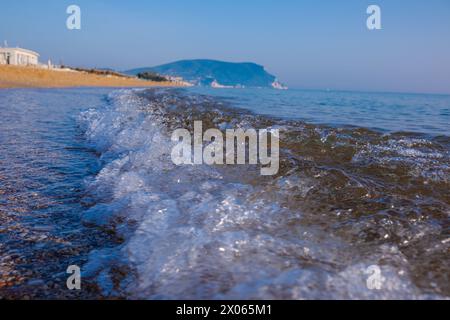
[344, 199]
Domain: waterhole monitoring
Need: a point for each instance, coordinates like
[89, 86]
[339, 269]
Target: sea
[358, 210]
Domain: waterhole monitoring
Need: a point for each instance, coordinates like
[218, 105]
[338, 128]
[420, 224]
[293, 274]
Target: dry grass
[30, 77]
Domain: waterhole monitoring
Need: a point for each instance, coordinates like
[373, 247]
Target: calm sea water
[421, 113]
[86, 178]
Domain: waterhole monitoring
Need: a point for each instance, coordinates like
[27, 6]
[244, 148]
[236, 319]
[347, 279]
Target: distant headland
[214, 73]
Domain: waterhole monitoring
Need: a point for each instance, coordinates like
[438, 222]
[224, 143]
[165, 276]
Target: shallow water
[44, 162]
[99, 161]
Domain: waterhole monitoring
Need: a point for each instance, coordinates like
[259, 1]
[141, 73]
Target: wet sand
[30, 77]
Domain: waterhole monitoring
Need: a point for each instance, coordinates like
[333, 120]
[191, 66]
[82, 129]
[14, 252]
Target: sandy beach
[30, 77]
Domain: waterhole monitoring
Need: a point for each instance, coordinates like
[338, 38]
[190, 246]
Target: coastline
[31, 77]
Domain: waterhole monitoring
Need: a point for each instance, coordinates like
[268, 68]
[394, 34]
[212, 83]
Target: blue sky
[307, 44]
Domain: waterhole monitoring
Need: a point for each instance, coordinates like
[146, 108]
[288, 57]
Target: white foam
[190, 233]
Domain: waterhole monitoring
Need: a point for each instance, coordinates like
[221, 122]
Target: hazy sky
[307, 44]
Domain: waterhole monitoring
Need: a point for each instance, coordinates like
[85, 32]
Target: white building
[18, 57]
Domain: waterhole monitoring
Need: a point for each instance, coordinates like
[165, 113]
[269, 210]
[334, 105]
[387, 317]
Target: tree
[151, 76]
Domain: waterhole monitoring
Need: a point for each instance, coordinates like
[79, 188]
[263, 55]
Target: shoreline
[341, 223]
[13, 77]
